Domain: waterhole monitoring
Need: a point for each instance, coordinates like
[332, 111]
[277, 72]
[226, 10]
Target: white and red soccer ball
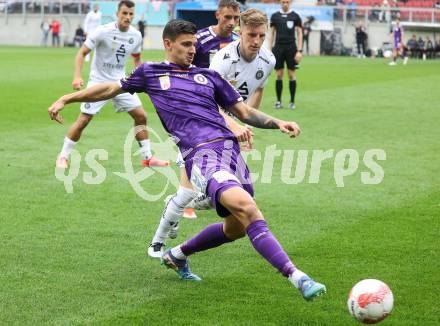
[370, 301]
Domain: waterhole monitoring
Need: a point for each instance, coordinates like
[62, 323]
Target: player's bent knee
[247, 211]
[140, 119]
[139, 115]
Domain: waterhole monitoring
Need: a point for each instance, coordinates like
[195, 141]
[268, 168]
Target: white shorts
[122, 103]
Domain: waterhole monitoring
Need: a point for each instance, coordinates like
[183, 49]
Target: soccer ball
[370, 301]
[387, 54]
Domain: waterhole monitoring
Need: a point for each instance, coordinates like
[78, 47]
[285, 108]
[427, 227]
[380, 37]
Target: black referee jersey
[284, 24]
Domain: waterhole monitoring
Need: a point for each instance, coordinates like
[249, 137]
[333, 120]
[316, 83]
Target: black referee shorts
[284, 53]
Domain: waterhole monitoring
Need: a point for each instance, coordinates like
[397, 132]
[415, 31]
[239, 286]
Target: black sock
[292, 87]
[279, 89]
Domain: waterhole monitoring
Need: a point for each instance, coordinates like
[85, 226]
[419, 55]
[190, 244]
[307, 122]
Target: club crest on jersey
[87, 105]
[259, 74]
[165, 82]
[200, 79]
[289, 24]
[131, 40]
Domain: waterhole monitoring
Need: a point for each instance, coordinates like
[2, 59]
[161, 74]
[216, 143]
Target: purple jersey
[397, 31]
[208, 43]
[186, 100]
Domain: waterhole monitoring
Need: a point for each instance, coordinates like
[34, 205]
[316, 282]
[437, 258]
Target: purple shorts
[216, 167]
[396, 44]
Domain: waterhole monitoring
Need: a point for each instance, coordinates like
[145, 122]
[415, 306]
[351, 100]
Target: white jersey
[92, 21]
[245, 76]
[112, 47]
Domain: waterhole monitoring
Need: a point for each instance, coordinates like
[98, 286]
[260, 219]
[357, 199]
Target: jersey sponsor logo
[243, 90]
[289, 24]
[259, 74]
[165, 82]
[120, 53]
[181, 75]
[200, 79]
[113, 66]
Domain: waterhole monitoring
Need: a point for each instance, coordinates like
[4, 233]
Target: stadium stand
[20, 20]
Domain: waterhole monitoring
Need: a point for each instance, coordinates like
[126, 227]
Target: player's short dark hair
[176, 27]
[228, 3]
[127, 3]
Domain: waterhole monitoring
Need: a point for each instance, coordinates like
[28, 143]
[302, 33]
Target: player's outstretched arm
[77, 82]
[242, 133]
[96, 93]
[262, 120]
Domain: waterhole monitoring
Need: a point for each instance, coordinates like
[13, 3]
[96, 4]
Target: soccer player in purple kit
[398, 47]
[213, 38]
[186, 99]
[209, 41]
[246, 65]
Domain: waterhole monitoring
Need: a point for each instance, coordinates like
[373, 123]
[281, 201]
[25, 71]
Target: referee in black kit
[286, 28]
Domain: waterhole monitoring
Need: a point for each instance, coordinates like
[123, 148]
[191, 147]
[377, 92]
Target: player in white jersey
[91, 23]
[247, 69]
[247, 65]
[113, 43]
[92, 20]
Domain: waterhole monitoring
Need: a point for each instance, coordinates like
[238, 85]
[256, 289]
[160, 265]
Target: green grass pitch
[80, 258]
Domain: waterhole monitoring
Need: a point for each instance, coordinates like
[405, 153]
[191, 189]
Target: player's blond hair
[253, 17]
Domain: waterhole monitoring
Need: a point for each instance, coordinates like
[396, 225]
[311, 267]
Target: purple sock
[268, 246]
[210, 237]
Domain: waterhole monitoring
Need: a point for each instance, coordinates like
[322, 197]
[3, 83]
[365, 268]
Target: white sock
[67, 147]
[145, 149]
[295, 277]
[173, 213]
[177, 252]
